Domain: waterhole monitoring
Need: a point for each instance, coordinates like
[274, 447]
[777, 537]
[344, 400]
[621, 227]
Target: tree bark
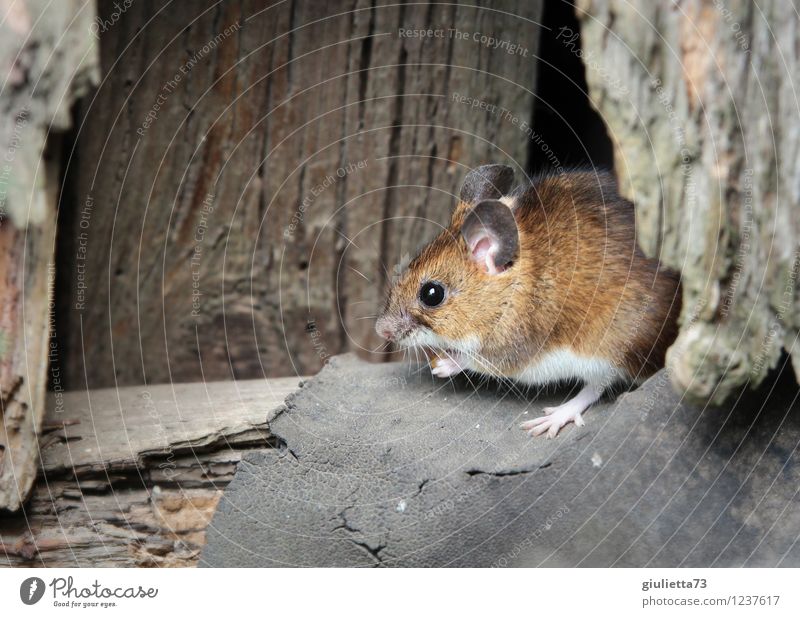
[700, 102]
[247, 175]
[48, 58]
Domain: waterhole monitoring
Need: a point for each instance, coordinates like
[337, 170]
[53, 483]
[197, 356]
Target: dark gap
[67, 230]
[568, 132]
[364, 65]
[290, 44]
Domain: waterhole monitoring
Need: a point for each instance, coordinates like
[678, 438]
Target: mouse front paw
[445, 367]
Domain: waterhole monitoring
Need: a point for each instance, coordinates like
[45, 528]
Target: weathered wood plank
[110, 430]
[132, 476]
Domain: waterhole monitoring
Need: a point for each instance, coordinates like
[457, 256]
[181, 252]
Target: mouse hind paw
[557, 417]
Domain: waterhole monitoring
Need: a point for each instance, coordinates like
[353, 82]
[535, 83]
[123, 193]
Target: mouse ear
[487, 182]
[490, 232]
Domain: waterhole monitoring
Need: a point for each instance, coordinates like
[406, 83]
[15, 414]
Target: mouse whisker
[348, 239]
[361, 274]
[378, 348]
[474, 388]
[420, 369]
[385, 271]
[497, 373]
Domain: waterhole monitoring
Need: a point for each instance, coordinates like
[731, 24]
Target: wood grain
[281, 177]
[701, 105]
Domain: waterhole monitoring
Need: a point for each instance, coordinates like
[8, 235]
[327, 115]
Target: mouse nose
[383, 328]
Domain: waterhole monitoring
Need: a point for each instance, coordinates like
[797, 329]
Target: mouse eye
[431, 294]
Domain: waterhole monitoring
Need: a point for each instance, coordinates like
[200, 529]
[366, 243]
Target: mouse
[538, 284]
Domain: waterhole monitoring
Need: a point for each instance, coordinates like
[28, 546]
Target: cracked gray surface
[385, 468]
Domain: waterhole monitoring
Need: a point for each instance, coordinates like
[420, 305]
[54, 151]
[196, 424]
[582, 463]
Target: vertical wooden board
[149, 158]
[339, 115]
[324, 74]
[301, 166]
[27, 263]
[433, 139]
[382, 86]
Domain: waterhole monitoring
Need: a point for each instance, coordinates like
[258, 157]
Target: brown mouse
[539, 284]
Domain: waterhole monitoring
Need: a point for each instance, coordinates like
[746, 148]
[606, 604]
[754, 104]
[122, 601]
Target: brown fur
[580, 281]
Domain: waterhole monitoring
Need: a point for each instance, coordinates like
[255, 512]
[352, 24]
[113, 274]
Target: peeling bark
[700, 101]
[48, 58]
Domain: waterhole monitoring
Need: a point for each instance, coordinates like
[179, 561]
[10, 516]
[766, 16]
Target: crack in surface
[508, 472]
[374, 553]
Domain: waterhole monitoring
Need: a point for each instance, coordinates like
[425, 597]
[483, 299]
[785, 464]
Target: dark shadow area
[68, 241]
[571, 133]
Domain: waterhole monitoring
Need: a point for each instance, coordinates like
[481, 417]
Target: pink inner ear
[483, 252]
[481, 248]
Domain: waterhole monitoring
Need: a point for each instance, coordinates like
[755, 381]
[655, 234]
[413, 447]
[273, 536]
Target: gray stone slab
[385, 467]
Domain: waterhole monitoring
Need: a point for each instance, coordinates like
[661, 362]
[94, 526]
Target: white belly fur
[563, 365]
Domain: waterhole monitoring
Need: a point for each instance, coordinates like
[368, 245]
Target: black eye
[431, 293]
